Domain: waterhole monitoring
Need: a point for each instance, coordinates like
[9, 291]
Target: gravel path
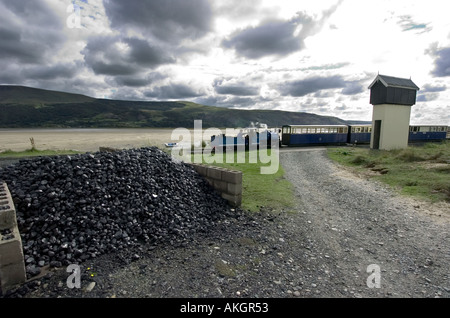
[340, 225]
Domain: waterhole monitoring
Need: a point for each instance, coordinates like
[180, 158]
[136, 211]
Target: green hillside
[23, 95]
[23, 107]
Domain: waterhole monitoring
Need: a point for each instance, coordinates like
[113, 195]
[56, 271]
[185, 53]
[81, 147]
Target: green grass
[270, 191]
[35, 152]
[420, 171]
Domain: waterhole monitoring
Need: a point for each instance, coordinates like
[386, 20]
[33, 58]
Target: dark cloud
[427, 97]
[238, 89]
[341, 108]
[174, 91]
[442, 61]
[137, 81]
[268, 38]
[306, 86]
[276, 37]
[428, 88]
[168, 20]
[113, 55]
[353, 88]
[10, 73]
[429, 93]
[14, 47]
[142, 53]
[49, 72]
[29, 31]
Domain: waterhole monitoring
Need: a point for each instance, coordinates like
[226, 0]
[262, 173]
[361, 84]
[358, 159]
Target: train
[313, 135]
[317, 135]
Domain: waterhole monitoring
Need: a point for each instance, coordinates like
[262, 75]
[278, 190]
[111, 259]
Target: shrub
[359, 160]
[409, 155]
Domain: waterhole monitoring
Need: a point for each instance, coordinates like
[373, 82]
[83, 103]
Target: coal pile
[73, 208]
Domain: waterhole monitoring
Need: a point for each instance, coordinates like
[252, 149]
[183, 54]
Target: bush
[409, 155]
[359, 160]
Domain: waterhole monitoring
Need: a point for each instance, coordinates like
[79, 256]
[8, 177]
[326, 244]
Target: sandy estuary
[85, 139]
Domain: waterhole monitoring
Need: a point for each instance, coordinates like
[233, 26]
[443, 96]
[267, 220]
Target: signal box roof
[390, 81]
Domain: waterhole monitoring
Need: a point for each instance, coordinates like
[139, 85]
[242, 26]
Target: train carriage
[427, 133]
[359, 134]
[310, 135]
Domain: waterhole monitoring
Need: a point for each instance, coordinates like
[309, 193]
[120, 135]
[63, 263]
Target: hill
[10, 94]
[25, 107]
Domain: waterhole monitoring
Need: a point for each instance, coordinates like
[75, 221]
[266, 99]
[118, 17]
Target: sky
[315, 56]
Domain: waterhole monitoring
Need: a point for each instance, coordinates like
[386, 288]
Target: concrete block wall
[12, 265]
[227, 182]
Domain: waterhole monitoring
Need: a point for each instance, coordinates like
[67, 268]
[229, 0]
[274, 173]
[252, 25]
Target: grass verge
[270, 191]
[420, 171]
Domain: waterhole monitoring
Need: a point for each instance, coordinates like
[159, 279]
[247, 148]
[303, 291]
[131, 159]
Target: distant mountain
[358, 122]
[23, 95]
[26, 107]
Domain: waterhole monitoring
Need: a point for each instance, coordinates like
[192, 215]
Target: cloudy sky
[309, 56]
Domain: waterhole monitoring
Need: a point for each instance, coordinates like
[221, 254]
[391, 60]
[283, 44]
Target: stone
[90, 287]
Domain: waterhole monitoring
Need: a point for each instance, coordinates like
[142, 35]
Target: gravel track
[322, 247]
